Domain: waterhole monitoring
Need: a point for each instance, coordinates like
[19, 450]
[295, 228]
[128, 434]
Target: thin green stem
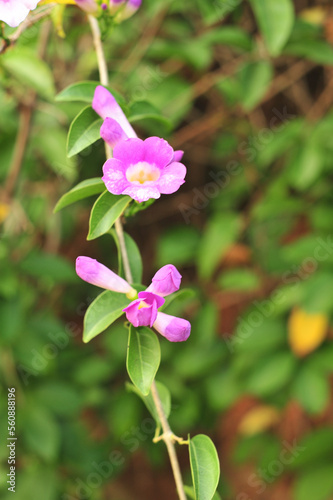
[167, 436]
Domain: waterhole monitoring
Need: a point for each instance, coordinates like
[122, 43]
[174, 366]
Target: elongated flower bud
[107, 107]
[97, 274]
[165, 281]
[172, 328]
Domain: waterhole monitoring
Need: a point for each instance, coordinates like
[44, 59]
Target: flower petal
[165, 281]
[141, 315]
[13, 12]
[112, 133]
[172, 328]
[150, 297]
[172, 178]
[107, 107]
[158, 152]
[178, 155]
[97, 274]
[129, 152]
[142, 193]
[114, 176]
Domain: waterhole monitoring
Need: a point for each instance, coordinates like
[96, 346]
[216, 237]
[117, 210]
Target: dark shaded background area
[250, 231]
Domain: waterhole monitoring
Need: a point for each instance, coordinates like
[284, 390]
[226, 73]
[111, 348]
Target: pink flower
[165, 281]
[143, 169]
[97, 274]
[143, 310]
[116, 127]
[13, 12]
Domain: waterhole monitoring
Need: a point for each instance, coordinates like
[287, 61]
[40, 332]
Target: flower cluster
[119, 9]
[143, 310]
[140, 169]
[13, 12]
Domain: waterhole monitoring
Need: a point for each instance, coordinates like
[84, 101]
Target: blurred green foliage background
[246, 89]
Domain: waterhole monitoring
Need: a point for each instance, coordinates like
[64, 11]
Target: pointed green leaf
[84, 131]
[205, 467]
[185, 293]
[164, 395]
[106, 210]
[102, 312]
[221, 232]
[275, 20]
[143, 357]
[82, 190]
[84, 92]
[134, 257]
[29, 69]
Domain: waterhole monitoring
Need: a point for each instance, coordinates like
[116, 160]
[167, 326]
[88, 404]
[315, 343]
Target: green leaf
[29, 70]
[190, 492]
[318, 51]
[312, 390]
[275, 20]
[255, 78]
[306, 166]
[106, 210]
[178, 245]
[143, 357]
[205, 467]
[41, 433]
[49, 267]
[272, 374]
[239, 279]
[102, 312]
[84, 131]
[185, 293]
[314, 483]
[82, 190]
[232, 36]
[314, 448]
[134, 257]
[84, 92]
[221, 231]
[144, 110]
[164, 395]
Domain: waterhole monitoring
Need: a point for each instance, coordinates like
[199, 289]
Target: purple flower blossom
[13, 12]
[143, 311]
[97, 274]
[143, 169]
[140, 169]
[165, 281]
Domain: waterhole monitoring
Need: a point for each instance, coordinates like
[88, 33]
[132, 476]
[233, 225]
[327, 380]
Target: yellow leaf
[4, 211]
[306, 331]
[314, 15]
[258, 419]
